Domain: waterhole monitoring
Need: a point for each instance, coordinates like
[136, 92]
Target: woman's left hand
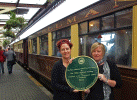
[87, 91]
[102, 77]
[111, 83]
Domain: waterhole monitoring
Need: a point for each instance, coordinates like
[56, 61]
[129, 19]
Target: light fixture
[91, 24]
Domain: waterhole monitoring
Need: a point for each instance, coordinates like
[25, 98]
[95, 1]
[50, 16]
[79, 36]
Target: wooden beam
[21, 5]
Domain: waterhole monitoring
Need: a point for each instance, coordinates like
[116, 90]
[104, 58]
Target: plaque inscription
[82, 73]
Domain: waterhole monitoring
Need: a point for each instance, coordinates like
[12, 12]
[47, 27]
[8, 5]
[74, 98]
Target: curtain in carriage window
[44, 44]
[34, 46]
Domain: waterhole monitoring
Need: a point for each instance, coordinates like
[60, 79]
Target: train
[111, 22]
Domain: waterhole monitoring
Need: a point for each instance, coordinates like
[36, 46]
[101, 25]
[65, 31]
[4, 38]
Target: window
[57, 35]
[83, 28]
[118, 41]
[124, 18]
[85, 43]
[108, 22]
[94, 25]
[44, 44]
[19, 46]
[118, 45]
[54, 48]
[34, 45]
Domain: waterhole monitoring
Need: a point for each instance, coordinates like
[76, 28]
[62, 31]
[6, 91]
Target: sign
[82, 73]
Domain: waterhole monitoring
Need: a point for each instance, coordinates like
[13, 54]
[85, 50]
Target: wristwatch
[106, 81]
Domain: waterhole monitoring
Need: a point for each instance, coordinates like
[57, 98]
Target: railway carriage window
[53, 43]
[94, 25]
[20, 46]
[108, 22]
[124, 18]
[123, 47]
[68, 31]
[59, 34]
[64, 33]
[44, 44]
[83, 28]
[85, 44]
[118, 45]
[54, 48]
[34, 45]
[53, 35]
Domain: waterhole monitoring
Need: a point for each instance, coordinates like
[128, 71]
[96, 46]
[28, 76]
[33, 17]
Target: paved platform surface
[21, 86]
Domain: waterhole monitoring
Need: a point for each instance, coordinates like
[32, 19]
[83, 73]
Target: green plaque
[82, 73]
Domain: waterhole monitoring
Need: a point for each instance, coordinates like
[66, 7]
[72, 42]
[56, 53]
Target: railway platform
[19, 85]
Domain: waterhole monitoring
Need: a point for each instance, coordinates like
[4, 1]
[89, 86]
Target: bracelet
[106, 81]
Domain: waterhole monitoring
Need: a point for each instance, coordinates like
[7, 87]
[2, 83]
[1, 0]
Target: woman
[2, 59]
[108, 77]
[62, 91]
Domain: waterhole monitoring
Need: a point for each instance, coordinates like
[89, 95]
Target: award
[82, 73]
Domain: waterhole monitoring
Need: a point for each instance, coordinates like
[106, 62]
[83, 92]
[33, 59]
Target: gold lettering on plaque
[71, 20]
[93, 12]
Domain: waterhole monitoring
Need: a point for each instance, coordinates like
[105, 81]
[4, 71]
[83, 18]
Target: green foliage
[5, 43]
[9, 33]
[12, 15]
[13, 22]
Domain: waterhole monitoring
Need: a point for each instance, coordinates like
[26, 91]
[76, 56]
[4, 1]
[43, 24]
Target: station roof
[32, 10]
[25, 8]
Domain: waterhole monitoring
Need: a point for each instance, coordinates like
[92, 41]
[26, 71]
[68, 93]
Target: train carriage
[110, 22]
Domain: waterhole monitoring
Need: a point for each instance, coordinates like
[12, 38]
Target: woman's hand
[70, 61]
[75, 91]
[87, 91]
[111, 83]
[102, 78]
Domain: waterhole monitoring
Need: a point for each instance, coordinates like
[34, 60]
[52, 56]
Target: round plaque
[82, 73]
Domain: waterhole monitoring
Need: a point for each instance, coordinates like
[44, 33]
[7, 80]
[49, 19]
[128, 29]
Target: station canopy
[38, 11]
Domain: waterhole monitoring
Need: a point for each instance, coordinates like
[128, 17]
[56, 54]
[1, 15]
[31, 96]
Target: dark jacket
[62, 91]
[96, 92]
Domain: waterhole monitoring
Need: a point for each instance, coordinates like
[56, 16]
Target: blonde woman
[108, 78]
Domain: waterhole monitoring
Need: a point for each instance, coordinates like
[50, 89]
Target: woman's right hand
[70, 61]
[75, 91]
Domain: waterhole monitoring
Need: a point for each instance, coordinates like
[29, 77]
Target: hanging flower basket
[13, 23]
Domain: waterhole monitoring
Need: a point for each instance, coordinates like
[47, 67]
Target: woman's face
[97, 54]
[65, 51]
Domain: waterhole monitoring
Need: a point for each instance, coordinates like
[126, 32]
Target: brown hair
[63, 41]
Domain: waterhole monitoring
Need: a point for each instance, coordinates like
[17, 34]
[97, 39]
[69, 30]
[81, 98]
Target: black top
[62, 91]
[96, 92]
